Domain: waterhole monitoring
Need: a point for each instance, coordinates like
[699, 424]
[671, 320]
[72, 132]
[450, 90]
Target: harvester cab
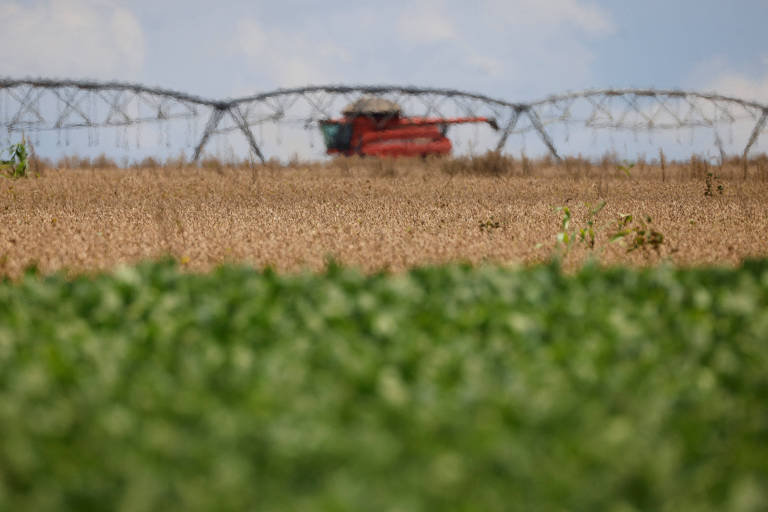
[337, 136]
[377, 127]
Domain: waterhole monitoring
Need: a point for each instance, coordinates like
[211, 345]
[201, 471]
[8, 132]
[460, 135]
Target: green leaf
[597, 209]
[341, 390]
[619, 235]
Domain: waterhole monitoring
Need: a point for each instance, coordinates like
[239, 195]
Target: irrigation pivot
[34, 106]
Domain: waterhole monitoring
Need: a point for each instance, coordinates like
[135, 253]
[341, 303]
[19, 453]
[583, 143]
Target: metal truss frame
[89, 104]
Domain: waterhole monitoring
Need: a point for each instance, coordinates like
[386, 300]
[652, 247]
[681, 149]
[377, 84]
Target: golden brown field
[374, 214]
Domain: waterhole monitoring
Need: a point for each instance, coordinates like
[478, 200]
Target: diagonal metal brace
[545, 138]
[242, 123]
[210, 127]
[508, 129]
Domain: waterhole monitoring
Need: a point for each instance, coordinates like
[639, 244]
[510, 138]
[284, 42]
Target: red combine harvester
[376, 127]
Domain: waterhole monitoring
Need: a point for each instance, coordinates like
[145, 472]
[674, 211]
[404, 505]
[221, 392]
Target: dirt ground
[385, 217]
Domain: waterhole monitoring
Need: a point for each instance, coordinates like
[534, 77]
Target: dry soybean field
[378, 216]
[372, 335]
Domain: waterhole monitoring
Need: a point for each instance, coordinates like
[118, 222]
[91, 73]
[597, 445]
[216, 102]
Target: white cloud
[289, 58]
[521, 46]
[537, 14]
[486, 65]
[70, 38]
[532, 47]
[425, 24]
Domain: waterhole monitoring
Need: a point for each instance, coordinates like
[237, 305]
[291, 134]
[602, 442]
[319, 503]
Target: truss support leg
[242, 123]
[753, 138]
[210, 127]
[756, 132]
[545, 138]
[508, 130]
[720, 148]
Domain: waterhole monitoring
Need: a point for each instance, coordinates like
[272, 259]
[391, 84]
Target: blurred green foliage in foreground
[447, 388]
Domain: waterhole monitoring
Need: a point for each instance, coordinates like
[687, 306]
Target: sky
[517, 50]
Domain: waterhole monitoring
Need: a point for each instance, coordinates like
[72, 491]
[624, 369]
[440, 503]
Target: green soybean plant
[638, 232]
[626, 167]
[585, 234]
[17, 164]
[709, 185]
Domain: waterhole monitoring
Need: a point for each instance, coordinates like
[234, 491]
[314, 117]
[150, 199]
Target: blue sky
[512, 49]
